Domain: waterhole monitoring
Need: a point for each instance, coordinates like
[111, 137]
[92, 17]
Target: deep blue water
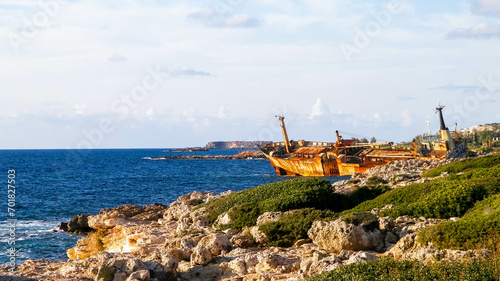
[54, 185]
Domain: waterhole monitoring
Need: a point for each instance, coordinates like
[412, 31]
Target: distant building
[496, 138]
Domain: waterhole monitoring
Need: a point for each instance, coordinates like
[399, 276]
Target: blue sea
[52, 186]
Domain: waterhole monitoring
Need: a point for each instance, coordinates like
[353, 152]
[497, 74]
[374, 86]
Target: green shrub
[375, 181]
[366, 219]
[478, 228]
[364, 193]
[450, 201]
[280, 196]
[479, 173]
[463, 165]
[293, 226]
[389, 269]
[404, 176]
[243, 215]
[440, 198]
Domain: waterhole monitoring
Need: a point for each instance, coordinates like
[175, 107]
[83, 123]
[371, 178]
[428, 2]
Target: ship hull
[315, 167]
[321, 166]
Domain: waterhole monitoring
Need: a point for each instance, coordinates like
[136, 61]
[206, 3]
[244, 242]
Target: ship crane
[285, 135]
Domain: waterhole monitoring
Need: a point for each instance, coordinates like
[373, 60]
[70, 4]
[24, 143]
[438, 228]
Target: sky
[159, 74]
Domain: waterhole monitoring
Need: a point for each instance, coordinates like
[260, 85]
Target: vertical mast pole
[285, 135]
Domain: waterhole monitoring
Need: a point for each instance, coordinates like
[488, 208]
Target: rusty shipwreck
[346, 157]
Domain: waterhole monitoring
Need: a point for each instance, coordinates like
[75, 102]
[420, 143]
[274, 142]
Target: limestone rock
[223, 219]
[200, 256]
[242, 241]
[385, 223]
[108, 218]
[238, 266]
[360, 256]
[216, 244]
[258, 236]
[323, 264]
[184, 204]
[268, 217]
[142, 275]
[338, 235]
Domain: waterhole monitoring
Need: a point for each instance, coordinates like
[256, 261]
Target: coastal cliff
[297, 229]
[234, 144]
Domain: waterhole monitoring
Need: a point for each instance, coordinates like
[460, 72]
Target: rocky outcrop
[108, 218]
[338, 235]
[409, 248]
[242, 155]
[77, 225]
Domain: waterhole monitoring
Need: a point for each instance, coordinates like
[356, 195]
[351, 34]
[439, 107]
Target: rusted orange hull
[297, 166]
[318, 167]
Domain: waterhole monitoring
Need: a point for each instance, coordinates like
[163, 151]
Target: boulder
[142, 275]
[268, 217]
[324, 264]
[338, 235]
[238, 266]
[200, 256]
[78, 225]
[360, 256]
[258, 236]
[385, 223]
[216, 244]
[123, 215]
[223, 219]
[242, 240]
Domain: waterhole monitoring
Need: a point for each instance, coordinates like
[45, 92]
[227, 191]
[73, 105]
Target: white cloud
[150, 113]
[481, 31]
[319, 109]
[223, 113]
[213, 19]
[486, 7]
[117, 58]
[241, 20]
[184, 71]
[81, 109]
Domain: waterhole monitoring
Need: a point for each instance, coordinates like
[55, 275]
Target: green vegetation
[366, 219]
[460, 166]
[479, 228]
[283, 196]
[293, 226]
[311, 198]
[375, 181]
[389, 269]
[446, 197]
[440, 198]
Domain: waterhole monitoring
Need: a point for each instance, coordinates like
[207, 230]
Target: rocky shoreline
[177, 243]
[242, 155]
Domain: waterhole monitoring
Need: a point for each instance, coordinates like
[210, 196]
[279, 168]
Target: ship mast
[444, 133]
[285, 135]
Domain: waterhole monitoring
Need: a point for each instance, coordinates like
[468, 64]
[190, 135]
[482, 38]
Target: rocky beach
[179, 242]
